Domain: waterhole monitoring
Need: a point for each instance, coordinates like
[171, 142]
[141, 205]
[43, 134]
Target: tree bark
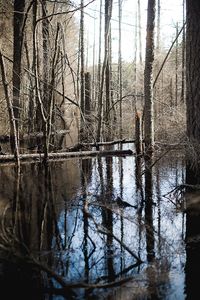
[108, 9]
[10, 110]
[18, 19]
[120, 67]
[158, 26]
[183, 59]
[193, 88]
[148, 85]
[140, 34]
[82, 72]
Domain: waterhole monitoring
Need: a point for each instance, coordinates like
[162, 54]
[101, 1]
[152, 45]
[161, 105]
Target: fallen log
[62, 155]
[123, 141]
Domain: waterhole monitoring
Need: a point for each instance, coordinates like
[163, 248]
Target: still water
[93, 223]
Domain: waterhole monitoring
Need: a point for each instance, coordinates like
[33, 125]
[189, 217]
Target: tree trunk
[193, 88]
[120, 67]
[158, 27]
[12, 120]
[88, 104]
[108, 9]
[82, 73]
[148, 86]
[99, 54]
[140, 34]
[176, 67]
[18, 19]
[183, 59]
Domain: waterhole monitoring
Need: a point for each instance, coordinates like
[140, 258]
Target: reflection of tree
[192, 269]
[106, 193]
[19, 278]
[157, 271]
[33, 211]
[107, 219]
[150, 240]
[85, 178]
[121, 185]
[140, 198]
[158, 194]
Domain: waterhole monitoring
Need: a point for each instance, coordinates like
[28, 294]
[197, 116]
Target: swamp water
[108, 223]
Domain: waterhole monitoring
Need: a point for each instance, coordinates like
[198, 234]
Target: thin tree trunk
[99, 58]
[106, 52]
[82, 75]
[148, 85]
[46, 101]
[176, 67]
[120, 67]
[87, 100]
[93, 64]
[46, 54]
[183, 58]
[171, 92]
[135, 58]
[140, 34]
[158, 26]
[107, 91]
[18, 19]
[32, 97]
[12, 119]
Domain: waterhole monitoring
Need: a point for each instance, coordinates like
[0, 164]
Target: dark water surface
[74, 219]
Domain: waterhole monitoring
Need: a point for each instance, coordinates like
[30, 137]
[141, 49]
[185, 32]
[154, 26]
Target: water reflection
[192, 270]
[65, 220]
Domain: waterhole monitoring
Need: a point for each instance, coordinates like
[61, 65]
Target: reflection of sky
[169, 246]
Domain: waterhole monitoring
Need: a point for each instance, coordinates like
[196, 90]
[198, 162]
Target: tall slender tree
[82, 69]
[183, 58]
[18, 21]
[176, 68]
[108, 11]
[158, 26]
[148, 84]
[120, 67]
[139, 31]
